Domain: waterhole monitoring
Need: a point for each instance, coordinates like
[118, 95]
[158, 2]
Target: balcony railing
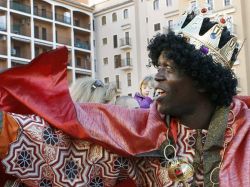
[84, 64]
[63, 18]
[16, 28]
[3, 3]
[20, 7]
[44, 36]
[63, 40]
[125, 42]
[42, 13]
[77, 23]
[83, 45]
[126, 62]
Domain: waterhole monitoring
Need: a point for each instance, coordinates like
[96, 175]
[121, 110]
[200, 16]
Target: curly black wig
[219, 82]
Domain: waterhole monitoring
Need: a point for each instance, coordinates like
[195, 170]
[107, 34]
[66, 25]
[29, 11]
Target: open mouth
[160, 93]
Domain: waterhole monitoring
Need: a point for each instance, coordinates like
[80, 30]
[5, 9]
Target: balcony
[63, 18]
[81, 20]
[126, 64]
[20, 49]
[42, 13]
[20, 7]
[82, 45]
[20, 29]
[3, 3]
[64, 38]
[83, 63]
[77, 24]
[125, 43]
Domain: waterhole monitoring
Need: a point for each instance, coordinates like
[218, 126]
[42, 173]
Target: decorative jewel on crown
[207, 43]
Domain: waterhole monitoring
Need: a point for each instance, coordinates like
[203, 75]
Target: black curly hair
[219, 82]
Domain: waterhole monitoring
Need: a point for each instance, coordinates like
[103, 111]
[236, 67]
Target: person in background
[127, 102]
[92, 90]
[145, 96]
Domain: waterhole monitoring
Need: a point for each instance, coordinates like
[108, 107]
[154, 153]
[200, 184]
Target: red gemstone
[178, 172]
[204, 10]
[222, 20]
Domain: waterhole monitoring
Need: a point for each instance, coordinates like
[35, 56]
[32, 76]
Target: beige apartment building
[139, 20]
[30, 27]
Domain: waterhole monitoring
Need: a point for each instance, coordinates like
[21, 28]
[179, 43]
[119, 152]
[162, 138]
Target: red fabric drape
[41, 88]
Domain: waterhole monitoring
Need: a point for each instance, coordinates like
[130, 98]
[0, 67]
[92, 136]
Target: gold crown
[207, 43]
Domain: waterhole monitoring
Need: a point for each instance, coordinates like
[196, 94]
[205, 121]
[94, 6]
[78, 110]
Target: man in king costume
[203, 139]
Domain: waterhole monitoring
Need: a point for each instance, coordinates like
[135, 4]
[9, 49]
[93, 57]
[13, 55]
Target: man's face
[178, 94]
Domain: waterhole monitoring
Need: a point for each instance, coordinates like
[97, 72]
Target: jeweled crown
[207, 43]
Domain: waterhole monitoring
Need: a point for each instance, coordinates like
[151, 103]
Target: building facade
[30, 27]
[146, 19]
[115, 44]
[107, 40]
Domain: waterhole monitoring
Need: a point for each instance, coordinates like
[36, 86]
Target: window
[210, 4]
[125, 13]
[169, 2]
[157, 26]
[128, 60]
[36, 51]
[129, 79]
[103, 20]
[170, 24]
[105, 60]
[127, 40]
[36, 32]
[104, 41]
[44, 12]
[35, 10]
[146, 19]
[44, 33]
[106, 80]
[117, 61]
[156, 4]
[227, 2]
[115, 43]
[117, 80]
[78, 61]
[114, 17]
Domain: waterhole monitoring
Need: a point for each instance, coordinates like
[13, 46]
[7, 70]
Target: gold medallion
[180, 170]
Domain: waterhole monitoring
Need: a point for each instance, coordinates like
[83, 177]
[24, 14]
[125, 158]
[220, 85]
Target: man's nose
[160, 75]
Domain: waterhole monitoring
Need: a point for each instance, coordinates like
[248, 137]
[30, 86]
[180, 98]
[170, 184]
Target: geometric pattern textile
[46, 157]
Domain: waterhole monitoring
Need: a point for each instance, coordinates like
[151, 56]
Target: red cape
[41, 88]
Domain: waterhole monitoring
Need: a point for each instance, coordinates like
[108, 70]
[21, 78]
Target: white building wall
[107, 31]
